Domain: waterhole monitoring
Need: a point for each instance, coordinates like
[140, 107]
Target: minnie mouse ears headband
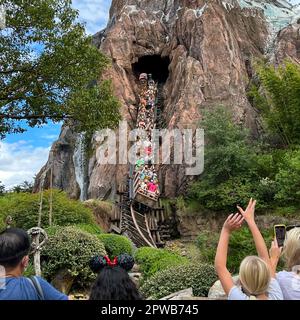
[124, 261]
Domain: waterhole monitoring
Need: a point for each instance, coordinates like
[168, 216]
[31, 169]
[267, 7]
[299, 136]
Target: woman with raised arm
[256, 276]
[288, 279]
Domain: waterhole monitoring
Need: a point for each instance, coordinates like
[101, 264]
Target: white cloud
[51, 137]
[94, 13]
[20, 161]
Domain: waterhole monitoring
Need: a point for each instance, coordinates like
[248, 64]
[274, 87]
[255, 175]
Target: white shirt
[290, 284]
[274, 292]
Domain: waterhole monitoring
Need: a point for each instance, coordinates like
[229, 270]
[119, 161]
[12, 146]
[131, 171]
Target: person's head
[291, 248]
[254, 276]
[14, 249]
[113, 281]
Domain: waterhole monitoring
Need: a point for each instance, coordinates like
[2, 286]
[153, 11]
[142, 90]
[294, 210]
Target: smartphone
[279, 232]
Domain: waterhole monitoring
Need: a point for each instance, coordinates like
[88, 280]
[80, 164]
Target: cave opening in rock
[155, 64]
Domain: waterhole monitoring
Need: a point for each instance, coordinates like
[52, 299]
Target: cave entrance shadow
[155, 64]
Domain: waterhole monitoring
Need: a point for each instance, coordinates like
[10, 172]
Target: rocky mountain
[200, 51]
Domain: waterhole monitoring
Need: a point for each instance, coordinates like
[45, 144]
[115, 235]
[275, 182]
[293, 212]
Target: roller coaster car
[147, 198]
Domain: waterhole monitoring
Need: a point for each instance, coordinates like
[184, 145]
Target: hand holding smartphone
[280, 232]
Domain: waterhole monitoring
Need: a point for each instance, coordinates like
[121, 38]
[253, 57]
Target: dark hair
[14, 246]
[113, 281]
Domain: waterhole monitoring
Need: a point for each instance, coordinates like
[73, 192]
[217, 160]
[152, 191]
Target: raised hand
[275, 250]
[248, 214]
[233, 222]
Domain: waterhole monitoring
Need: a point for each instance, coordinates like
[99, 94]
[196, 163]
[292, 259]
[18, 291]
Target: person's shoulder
[50, 292]
[283, 275]
[23, 280]
[44, 283]
[275, 292]
[40, 279]
[274, 282]
[236, 293]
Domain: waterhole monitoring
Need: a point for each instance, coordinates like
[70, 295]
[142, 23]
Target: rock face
[209, 46]
[61, 162]
[288, 43]
[191, 224]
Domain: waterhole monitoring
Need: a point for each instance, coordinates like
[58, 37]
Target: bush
[224, 196]
[288, 179]
[93, 229]
[199, 277]
[89, 228]
[24, 208]
[241, 245]
[266, 190]
[152, 260]
[116, 245]
[207, 242]
[70, 248]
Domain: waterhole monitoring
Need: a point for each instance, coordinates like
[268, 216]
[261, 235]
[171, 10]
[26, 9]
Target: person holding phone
[280, 234]
[289, 279]
[256, 275]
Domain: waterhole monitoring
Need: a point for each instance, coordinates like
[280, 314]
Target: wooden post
[51, 197]
[37, 245]
[37, 256]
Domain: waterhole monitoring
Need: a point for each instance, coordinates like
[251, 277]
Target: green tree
[26, 186]
[229, 163]
[288, 178]
[2, 189]
[49, 70]
[278, 97]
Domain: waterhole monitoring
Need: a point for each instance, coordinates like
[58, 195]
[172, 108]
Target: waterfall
[80, 164]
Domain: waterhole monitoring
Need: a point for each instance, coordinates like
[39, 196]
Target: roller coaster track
[138, 214]
[142, 226]
[135, 225]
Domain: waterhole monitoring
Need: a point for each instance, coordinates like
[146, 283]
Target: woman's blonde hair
[254, 276]
[291, 248]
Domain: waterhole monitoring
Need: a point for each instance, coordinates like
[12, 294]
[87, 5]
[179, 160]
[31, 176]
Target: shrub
[200, 277]
[89, 228]
[224, 196]
[93, 229]
[288, 179]
[24, 208]
[207, 242]
[266, 190]
[70, 248]
[152, 260]
[115, 244]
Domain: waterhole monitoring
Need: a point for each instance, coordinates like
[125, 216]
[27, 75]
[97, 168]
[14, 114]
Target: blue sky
[23, 155]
